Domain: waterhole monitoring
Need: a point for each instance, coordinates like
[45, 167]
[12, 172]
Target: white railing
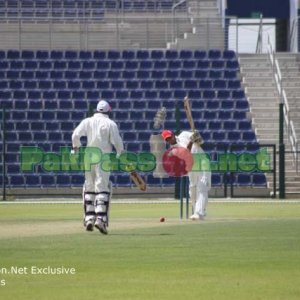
[290, 129]
[222, 5]
[259, 43]
[292, 38]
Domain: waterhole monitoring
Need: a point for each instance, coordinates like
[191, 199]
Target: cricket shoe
[195, 217]
[89, 225]
[101, 226]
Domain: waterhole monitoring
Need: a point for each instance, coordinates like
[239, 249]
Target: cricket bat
[188, 111]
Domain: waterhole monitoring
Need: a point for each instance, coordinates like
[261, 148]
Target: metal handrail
[259, 37]
[292, 137]
[173, 18]
[292, 36]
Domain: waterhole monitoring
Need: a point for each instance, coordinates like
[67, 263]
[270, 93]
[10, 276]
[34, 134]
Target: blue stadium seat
[215, 74]
[219, 84]
[13, 54]
[234, 136]
[59, 84]
[99, 54]
[70, 54]
[15, 64]
[128, 54]
[186, 54]
[205, 83]
[38, 75]
[239, 115]
[17, 180]
[74, 84]
[172, 74]
[229, 125]
[77, 180]
[229, 54]
[196, 105]
[214, 54]
[157, 54]
[131, 65]
[57, 64]
[242, 105]
[229, 74]
[30, 84]
[113, 54]
[15, 85]
[160, 64]
[42, 55]
[213, 104]
[65, 104]
[200, 74]
[209, 115]
[4, 64]
[218, 136]
[194, 94]
[245, 125]
[54, 54]
[52, 126]
[62, 180]
[45, 84]
[199, 54]
[232, 64]
[249, 136]
[14, 74]
[174, 64]
[234, 84]
[224, 94]
[146, 64]
[171, 54]
[259, 179]
[88, 84]
[244, 179]
[203, 64]
[238, 94]
[80, 105]
[218, 64]
[216, 179]
[47, 180]
[2, 54]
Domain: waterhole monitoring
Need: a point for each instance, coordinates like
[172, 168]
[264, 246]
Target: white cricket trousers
[198, 193]
[96, 180]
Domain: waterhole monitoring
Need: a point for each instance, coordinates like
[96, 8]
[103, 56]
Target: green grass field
[242, 251]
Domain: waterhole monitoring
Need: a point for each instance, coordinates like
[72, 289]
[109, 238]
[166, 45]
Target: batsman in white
[200, 181]
[102, 133]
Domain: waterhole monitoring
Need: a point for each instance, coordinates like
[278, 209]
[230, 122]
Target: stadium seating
[73, 9]
[48, 93]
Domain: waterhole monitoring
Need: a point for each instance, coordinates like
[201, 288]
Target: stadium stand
[47, 93]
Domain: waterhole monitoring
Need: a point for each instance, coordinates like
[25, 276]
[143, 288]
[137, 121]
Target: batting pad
[158, 148]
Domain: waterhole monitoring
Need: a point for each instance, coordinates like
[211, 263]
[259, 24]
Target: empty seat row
[118, 115]
[38, 12]
[76, 180]
[133, 94]
[118, 64]
[116, 55]
[109, 74]
[118, 84]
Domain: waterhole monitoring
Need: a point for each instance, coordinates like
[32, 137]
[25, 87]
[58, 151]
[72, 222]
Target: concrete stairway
[207, 32]
[263, 98]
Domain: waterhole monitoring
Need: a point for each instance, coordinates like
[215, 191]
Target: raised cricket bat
[138, 180]
[188, 111]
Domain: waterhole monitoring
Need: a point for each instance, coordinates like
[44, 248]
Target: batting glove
[195, 137]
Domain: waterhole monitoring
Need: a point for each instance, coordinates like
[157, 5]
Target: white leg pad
[101, 206]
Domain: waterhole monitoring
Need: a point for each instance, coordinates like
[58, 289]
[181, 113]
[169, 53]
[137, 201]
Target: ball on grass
[162, 219]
